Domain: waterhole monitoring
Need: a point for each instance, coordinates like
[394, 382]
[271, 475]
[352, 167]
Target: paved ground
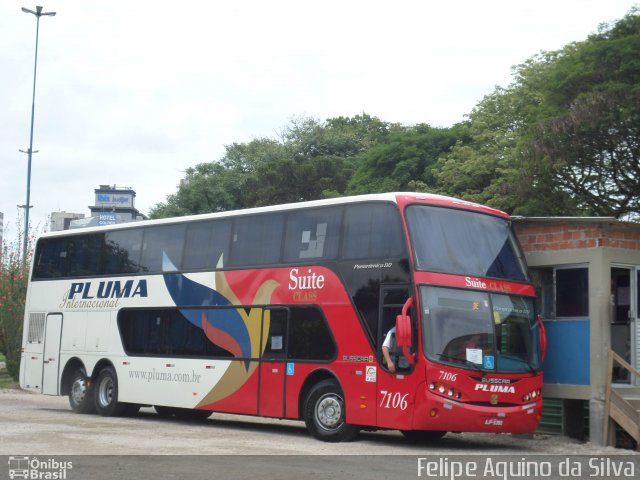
[39, 424]
[43, 426]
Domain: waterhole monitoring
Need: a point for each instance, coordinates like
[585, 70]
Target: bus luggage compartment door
[51, 356]
[31, 359]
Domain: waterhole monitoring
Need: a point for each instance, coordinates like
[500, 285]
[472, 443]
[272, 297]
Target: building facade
[110, 199]
[112, 205]
[587, 276]
[62, 220]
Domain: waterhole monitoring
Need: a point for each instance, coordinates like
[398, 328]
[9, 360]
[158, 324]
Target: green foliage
[408, 156]
[14, 274]
[6, 380]
[562, 139]
[311, 160]
[590, 142]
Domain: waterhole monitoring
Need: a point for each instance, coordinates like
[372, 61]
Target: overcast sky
[132, 93]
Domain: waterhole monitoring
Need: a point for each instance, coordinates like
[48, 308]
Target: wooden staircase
[622, 403]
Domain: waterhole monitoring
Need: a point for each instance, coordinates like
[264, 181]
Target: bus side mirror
[403, 331]
[543, 338]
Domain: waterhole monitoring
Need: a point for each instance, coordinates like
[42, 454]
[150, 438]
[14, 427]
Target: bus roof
[400, 198]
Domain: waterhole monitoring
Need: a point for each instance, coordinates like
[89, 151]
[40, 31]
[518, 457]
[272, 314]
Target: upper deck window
[373, 231]
[256, 240]
[462, 242]
[313, 234]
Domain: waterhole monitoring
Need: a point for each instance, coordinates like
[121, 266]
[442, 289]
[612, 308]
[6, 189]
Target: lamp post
[38, 13]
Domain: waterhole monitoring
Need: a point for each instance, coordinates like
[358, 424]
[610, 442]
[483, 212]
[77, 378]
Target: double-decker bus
[282, 312]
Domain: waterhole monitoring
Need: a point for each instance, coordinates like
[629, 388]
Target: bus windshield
[480, 330]
[462, 242]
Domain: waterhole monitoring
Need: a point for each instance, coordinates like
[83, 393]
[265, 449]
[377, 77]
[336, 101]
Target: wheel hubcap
[329, 412]
[105, 392]
[78, 390]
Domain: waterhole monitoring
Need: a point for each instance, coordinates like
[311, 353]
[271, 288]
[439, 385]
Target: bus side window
[159, 241]
[123, 249]
[207, 244]
[276, 346]
[309, 336]
[393, 299]
[256, 240]
[85, 255]
[51, 258]
[373, 231]
[313, 234]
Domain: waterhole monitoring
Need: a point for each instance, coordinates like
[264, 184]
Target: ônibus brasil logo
[38, 469]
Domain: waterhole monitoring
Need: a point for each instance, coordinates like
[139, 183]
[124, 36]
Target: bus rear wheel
[106, 394]
[423, 436]
[80, 393]
[325, 413]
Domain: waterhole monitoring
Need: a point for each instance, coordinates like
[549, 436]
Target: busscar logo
[38, 469]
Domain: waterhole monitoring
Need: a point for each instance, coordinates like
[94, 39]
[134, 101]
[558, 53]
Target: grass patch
[6, 381]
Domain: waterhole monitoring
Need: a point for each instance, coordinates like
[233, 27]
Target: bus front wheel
[80, 393]
[325, 413]
[106, 394]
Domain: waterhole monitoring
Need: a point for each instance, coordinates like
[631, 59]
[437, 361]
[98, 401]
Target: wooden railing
[622, 403]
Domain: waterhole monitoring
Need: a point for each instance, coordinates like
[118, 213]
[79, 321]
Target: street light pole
[38, 13]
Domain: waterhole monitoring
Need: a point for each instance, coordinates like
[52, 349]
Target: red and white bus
[282, 311]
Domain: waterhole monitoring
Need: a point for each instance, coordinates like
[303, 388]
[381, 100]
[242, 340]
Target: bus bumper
[438, 413]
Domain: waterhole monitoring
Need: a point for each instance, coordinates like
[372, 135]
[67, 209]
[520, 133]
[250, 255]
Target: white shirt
[390, 339]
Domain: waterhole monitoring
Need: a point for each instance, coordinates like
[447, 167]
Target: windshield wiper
[464, 361]
[513, 357]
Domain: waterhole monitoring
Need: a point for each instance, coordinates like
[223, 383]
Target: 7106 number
[448, 376]
[393, 400]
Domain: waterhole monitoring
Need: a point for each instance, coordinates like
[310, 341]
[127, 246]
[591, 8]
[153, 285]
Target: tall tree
[310, 160]
[563, 138]
[405, 159]
[591, 141]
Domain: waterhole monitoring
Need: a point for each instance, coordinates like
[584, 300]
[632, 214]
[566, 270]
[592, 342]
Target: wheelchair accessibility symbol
[488, 362]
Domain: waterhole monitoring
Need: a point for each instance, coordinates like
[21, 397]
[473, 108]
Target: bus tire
[423, 436]
[106, 394]
[325, 413]
[80, 393]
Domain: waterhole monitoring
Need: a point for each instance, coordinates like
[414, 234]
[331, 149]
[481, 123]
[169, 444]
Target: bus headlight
[532, 395]
[444, 390]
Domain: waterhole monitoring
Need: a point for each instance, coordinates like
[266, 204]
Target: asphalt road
[236, 447]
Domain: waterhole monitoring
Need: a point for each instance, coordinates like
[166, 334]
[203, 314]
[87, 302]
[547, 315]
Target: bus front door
[273, 363]
[51, 356]
[395, 391]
